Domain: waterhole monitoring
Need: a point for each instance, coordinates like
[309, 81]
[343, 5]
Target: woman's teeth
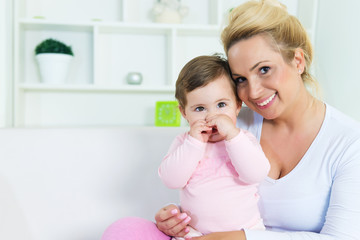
[266, 101]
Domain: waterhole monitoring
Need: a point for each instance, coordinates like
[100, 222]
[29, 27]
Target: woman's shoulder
[250, 121]
[341, 122]
[341, 130]
[341, 140]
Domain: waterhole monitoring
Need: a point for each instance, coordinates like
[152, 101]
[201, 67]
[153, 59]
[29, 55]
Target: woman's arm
[234, 235]
[171, 221]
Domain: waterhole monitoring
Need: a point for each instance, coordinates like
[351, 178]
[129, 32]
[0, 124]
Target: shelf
[94, 88]
[44, 22]
[69, 9]
[110, 26]
[110, 39]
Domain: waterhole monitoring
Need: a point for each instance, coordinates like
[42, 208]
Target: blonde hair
[269, 17]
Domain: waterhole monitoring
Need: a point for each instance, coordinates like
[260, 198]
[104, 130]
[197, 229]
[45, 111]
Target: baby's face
[215, 98]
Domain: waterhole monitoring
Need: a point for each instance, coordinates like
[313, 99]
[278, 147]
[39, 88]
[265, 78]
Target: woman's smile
[267, 102]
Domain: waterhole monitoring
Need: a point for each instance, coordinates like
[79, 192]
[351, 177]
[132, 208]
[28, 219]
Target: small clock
[167, 114]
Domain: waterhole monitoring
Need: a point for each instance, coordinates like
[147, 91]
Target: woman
[313, 187]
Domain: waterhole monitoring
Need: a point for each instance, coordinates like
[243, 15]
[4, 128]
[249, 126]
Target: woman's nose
[254, 89]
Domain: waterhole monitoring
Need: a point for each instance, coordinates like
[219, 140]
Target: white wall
[5, 62]
[337, 51]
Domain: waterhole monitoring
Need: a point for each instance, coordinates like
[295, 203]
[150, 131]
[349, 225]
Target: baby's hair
[199, 72]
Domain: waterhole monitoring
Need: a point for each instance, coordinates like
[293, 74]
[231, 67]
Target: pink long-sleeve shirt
[218, 181]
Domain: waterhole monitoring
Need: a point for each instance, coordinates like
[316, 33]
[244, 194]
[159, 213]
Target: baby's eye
[221, 105]
[264, 70]
[239, 80]
[199, 109]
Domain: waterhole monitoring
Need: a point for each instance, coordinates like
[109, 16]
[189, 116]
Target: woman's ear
[299, 60]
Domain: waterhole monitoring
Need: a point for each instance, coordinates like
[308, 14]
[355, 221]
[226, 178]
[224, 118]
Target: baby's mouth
[214, 130]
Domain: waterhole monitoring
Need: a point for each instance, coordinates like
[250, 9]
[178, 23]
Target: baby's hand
[200, 130]
[224, 124]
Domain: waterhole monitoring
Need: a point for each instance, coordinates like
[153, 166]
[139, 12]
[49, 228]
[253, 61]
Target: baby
[216, 165]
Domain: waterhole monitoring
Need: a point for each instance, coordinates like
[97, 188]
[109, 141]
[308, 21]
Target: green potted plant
[54, 58]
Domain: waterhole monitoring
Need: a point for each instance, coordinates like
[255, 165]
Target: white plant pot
[54, 67]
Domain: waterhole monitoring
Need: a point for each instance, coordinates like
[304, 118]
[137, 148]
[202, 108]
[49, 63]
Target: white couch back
[72, 183]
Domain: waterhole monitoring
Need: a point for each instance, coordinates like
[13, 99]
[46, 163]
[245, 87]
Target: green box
[167, 114]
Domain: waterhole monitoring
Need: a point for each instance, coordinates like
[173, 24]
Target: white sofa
[71, 183]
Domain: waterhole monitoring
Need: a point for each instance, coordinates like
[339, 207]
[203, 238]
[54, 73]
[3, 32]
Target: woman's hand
[172, 222]
[234, 235]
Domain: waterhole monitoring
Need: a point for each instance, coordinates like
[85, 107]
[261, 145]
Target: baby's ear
[182, 111]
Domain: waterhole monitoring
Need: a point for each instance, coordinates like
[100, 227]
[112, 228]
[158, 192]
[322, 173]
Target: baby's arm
[181, 161]
[244, 150]
[248, 158]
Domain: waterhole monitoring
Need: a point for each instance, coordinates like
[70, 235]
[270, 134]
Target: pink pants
[133, 228]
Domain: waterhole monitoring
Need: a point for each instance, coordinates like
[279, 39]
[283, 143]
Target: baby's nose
[210, 115]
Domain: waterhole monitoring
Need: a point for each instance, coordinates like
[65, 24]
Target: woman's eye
[264, 70]
[199, 109]
[221, 105]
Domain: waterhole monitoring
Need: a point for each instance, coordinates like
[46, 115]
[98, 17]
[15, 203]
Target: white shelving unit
[110, 39]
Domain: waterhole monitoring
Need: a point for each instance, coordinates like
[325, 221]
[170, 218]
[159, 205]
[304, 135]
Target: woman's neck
[304, 112]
